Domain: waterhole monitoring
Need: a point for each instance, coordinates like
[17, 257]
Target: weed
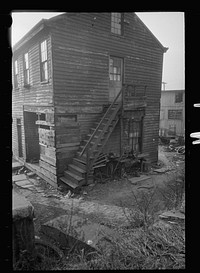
[173, 192]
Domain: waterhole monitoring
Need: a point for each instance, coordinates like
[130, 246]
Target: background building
[172, 113]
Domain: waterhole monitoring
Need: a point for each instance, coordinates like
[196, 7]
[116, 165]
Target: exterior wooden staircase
[80, 171]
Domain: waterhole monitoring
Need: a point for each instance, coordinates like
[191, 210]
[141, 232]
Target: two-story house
[172, 113]
[85, 84]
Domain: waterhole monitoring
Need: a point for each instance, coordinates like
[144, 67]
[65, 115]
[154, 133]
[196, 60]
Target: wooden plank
[47, 166]
[61, 147]
[50, 117]
[47, 142]
[67, 139]
[43, 122]
[48, 159]
[48, 175]
[50, 151]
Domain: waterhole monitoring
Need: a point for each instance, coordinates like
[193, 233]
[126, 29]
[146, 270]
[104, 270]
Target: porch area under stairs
[80, 171]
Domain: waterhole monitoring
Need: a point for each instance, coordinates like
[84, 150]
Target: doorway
[31, 137]
[116, 77]
[19, 137]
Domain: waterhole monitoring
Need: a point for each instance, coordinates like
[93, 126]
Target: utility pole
[164, 83]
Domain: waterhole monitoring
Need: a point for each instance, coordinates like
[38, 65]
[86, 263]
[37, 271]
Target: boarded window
[116, 23]
[175, 114]
[116, 69]
[178, 97]
[43, 61]
[26, 70]
[16, 75]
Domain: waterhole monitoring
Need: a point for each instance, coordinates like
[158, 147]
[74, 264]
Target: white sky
[168, 27]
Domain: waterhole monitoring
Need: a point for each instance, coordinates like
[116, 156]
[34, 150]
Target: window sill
[27, 86]
[117, 35]
[44, 82]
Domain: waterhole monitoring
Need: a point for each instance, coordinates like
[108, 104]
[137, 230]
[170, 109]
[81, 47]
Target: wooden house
[172, 113]
[85, 84]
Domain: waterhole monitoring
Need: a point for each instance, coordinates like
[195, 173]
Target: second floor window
[26, 70]
[116, 23]
[16, 75]
[178, 97]
[43, 61]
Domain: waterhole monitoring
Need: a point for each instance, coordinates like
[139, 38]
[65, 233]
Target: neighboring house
[68, 102]
[172, 113]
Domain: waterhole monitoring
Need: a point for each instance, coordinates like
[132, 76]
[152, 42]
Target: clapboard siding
[81, 49]
[36, 98]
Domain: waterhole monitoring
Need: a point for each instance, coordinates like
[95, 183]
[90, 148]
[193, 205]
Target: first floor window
[133, 130]
[16, 75]
[175, 114]
[43, 61]
[26, 70]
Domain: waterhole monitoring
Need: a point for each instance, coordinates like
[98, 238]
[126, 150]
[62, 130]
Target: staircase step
[76, 170]
[89, 135]
[73, 177]
[79, 163]
[97, 144]
[68, 182]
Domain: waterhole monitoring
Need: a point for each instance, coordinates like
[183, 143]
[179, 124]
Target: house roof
[173, 90]
[47, 22]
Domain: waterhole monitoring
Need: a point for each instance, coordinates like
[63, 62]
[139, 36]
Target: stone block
[18, 177]
[23, 236]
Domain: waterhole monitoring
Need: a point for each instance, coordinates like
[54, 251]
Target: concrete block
[70, 229]
[19, 177]
[23, 183]
[16, 165]
[22, 227]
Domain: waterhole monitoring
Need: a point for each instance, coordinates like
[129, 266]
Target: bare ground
[113, 193]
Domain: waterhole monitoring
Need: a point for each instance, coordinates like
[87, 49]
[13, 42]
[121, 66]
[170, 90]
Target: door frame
[19, 136]
[122, 69]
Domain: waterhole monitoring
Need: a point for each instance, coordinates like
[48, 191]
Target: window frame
[177, 98]
[175, 116]
[26, 70]
[16, 74]
[44, 63]
[114, 23]
[115, 73]
[134, 132]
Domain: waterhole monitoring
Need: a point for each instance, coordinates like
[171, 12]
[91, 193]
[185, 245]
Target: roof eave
[164, 49]
[35, 30]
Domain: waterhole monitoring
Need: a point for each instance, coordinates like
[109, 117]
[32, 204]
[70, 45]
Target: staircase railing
[100, 123]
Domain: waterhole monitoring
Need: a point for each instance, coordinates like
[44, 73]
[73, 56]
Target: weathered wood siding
[82, 44]
[37, 98]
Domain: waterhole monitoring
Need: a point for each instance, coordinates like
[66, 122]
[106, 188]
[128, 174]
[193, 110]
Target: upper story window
[43, 61]
[16, 74]
[116, 23]
[26, 70]
[178, 97]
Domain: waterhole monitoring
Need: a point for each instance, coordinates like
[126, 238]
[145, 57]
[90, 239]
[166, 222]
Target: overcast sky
[168, 27]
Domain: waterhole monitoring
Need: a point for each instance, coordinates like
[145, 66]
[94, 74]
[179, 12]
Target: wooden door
[19, 136]
[116, 77]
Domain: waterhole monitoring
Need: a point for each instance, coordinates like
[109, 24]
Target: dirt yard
[119, 192]
[112, 193]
